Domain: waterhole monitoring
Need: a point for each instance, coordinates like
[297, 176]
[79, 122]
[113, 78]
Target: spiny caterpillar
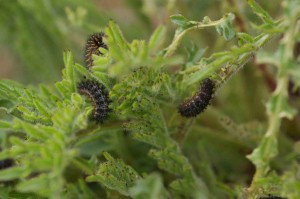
[94, 42]
[193, 106]
[6, 163]
[98, 95]
[269, 196]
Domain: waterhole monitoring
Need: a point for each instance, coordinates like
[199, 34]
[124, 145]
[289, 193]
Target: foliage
[145, 149]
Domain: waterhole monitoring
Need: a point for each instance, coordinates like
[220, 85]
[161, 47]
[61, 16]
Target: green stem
[235, 59]
[181, 33]
[276, 112]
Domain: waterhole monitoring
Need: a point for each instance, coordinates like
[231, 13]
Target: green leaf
[12, 173]
[179, 20]
[82, 70]
[115, 174]
[83, 165]
[266, 150]
[100, 62]
[64, 88]
[244, 38]
[68, 61]
[291, 184]
[184, 186]
[151, 188]
[4, 124]
[41, 107]
[257, 9]
[38, 184]
[171, 160]
[225, 28]
[157, 38]
[118, 47]
[68, 72]
[194, 55]
[36, 131]
[279, 102]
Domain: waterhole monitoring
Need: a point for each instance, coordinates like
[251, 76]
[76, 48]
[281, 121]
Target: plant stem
[179, 34]
[267, 149]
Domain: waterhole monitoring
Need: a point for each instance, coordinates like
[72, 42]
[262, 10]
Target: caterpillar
[6, 163]
[269, 196]
[94, 42]
[193, 106]
[98, 95]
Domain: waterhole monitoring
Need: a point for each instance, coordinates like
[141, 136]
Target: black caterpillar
[6, 163]
[269, 196]
[98, 95]
[94, 42]
[193, 106]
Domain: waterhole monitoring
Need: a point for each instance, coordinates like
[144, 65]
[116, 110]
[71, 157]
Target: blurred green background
[34, 33]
